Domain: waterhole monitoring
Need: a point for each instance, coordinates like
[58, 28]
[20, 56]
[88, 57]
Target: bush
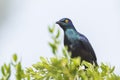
[58, 68]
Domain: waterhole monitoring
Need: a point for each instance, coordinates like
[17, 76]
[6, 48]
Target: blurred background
[24, 27]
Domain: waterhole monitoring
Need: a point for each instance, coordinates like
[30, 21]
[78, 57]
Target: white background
[24, 23]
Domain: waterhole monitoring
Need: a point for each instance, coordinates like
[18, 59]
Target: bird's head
[65, 23]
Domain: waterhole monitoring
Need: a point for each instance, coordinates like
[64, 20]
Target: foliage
[58, 68]
[55, 39]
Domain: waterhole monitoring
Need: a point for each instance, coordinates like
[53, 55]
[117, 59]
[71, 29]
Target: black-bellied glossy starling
[77, 43]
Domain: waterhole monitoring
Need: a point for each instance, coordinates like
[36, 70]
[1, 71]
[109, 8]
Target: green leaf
[9, 69]
[51, 29]
[58, 34]
[43, 60]
[54, 47]
[112, 69]
[87, 64]
[3, 70]
[65, 52]
[54, 60]
[14, 57]
[76, 61]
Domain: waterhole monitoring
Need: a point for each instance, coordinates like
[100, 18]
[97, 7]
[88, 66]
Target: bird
[77, 43]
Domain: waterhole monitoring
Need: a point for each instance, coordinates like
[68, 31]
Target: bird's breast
[71, 35]
[71, 42]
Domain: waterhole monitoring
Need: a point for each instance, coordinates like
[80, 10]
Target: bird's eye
[66, 21]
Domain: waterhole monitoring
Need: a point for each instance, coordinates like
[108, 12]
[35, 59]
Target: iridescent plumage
[77, 43]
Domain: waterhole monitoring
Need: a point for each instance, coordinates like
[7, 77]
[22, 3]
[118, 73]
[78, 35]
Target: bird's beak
[58, 22]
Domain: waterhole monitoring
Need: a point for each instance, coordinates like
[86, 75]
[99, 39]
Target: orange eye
[66, 21]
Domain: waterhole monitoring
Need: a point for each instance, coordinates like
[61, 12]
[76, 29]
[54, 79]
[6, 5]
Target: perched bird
[77, 43]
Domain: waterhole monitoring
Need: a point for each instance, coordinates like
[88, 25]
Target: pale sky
[24, 23]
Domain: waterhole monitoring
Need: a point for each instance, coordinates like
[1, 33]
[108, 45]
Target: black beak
[58, 22]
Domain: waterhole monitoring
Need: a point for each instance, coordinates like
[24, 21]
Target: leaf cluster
[57, 68]
[70, 69]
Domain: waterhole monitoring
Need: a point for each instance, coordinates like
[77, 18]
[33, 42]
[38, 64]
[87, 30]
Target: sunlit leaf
[15, 57]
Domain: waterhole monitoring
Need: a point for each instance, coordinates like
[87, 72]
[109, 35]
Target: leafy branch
[57, 68]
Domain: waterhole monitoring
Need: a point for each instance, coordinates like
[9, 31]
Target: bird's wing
[86, 45]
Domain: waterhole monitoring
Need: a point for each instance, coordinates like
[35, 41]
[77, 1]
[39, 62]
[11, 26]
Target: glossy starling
[77, 43]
